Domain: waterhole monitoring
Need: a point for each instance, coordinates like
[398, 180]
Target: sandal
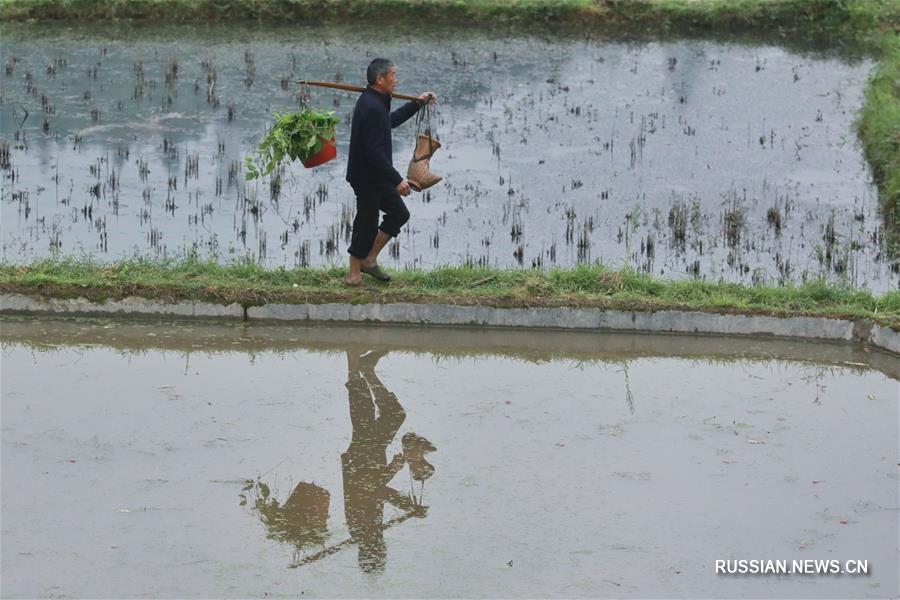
[376, 272]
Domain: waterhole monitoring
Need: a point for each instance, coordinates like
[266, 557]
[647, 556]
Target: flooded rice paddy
[213, 460]
[683, 158]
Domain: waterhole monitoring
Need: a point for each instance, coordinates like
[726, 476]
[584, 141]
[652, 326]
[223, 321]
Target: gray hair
[378, 68]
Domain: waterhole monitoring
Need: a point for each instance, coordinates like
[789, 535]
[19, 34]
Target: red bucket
[328, 152]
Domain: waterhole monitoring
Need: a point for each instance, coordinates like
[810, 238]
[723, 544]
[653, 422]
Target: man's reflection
[365, 466]
[376, 416]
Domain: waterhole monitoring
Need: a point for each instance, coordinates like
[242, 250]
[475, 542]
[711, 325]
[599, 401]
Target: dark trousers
[369, 201]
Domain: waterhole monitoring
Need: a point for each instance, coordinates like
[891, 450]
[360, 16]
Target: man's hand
[403, 188]
[395, 465]
[429, 97]
[397, 462]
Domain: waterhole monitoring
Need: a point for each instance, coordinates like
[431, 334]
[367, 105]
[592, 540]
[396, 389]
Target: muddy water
[146, 460]
[683, 158]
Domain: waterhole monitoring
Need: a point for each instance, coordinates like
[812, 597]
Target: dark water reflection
[376, 415]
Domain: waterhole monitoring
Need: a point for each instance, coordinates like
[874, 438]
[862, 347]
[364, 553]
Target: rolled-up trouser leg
[365, 224]
[395, 212]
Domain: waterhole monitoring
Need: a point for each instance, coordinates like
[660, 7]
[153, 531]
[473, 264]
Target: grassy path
[588, 286]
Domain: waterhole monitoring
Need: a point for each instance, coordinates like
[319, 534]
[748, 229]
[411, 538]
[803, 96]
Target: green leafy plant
[298, 135]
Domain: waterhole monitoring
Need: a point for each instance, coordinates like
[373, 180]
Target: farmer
[376, 416]
[370, 171]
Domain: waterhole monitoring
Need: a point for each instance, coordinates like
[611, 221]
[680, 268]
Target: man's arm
[403, 114]
[375, 152]
[404, 503]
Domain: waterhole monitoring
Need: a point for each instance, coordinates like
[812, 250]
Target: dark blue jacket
[370, 159]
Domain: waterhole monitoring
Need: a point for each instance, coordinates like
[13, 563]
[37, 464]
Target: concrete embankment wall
[663, 321]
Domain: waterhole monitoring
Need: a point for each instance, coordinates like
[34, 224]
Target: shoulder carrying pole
[352, 88]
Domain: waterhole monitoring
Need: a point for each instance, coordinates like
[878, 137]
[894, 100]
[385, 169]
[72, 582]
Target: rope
[424, 115]
[303, 95]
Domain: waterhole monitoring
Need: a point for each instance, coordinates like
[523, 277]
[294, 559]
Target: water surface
[208, 460]
[715, 158]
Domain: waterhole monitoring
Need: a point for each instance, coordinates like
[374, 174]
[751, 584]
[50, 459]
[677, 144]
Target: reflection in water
[364, 464]
[376, 416]
[582, 495]
[415, 447]
[303, 518]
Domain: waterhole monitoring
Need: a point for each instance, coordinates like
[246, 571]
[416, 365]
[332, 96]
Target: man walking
[370, 170]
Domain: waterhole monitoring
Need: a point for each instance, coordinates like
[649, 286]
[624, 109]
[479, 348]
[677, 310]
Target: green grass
[839, 15]
[586, 286]
[879, 130]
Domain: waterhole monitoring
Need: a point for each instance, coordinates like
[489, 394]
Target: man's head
[382, 75]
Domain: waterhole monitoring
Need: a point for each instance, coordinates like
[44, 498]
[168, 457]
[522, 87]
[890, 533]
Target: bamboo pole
[353, 88]
[410, 508]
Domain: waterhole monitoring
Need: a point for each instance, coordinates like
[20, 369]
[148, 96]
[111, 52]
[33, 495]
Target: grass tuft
[879, 129]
